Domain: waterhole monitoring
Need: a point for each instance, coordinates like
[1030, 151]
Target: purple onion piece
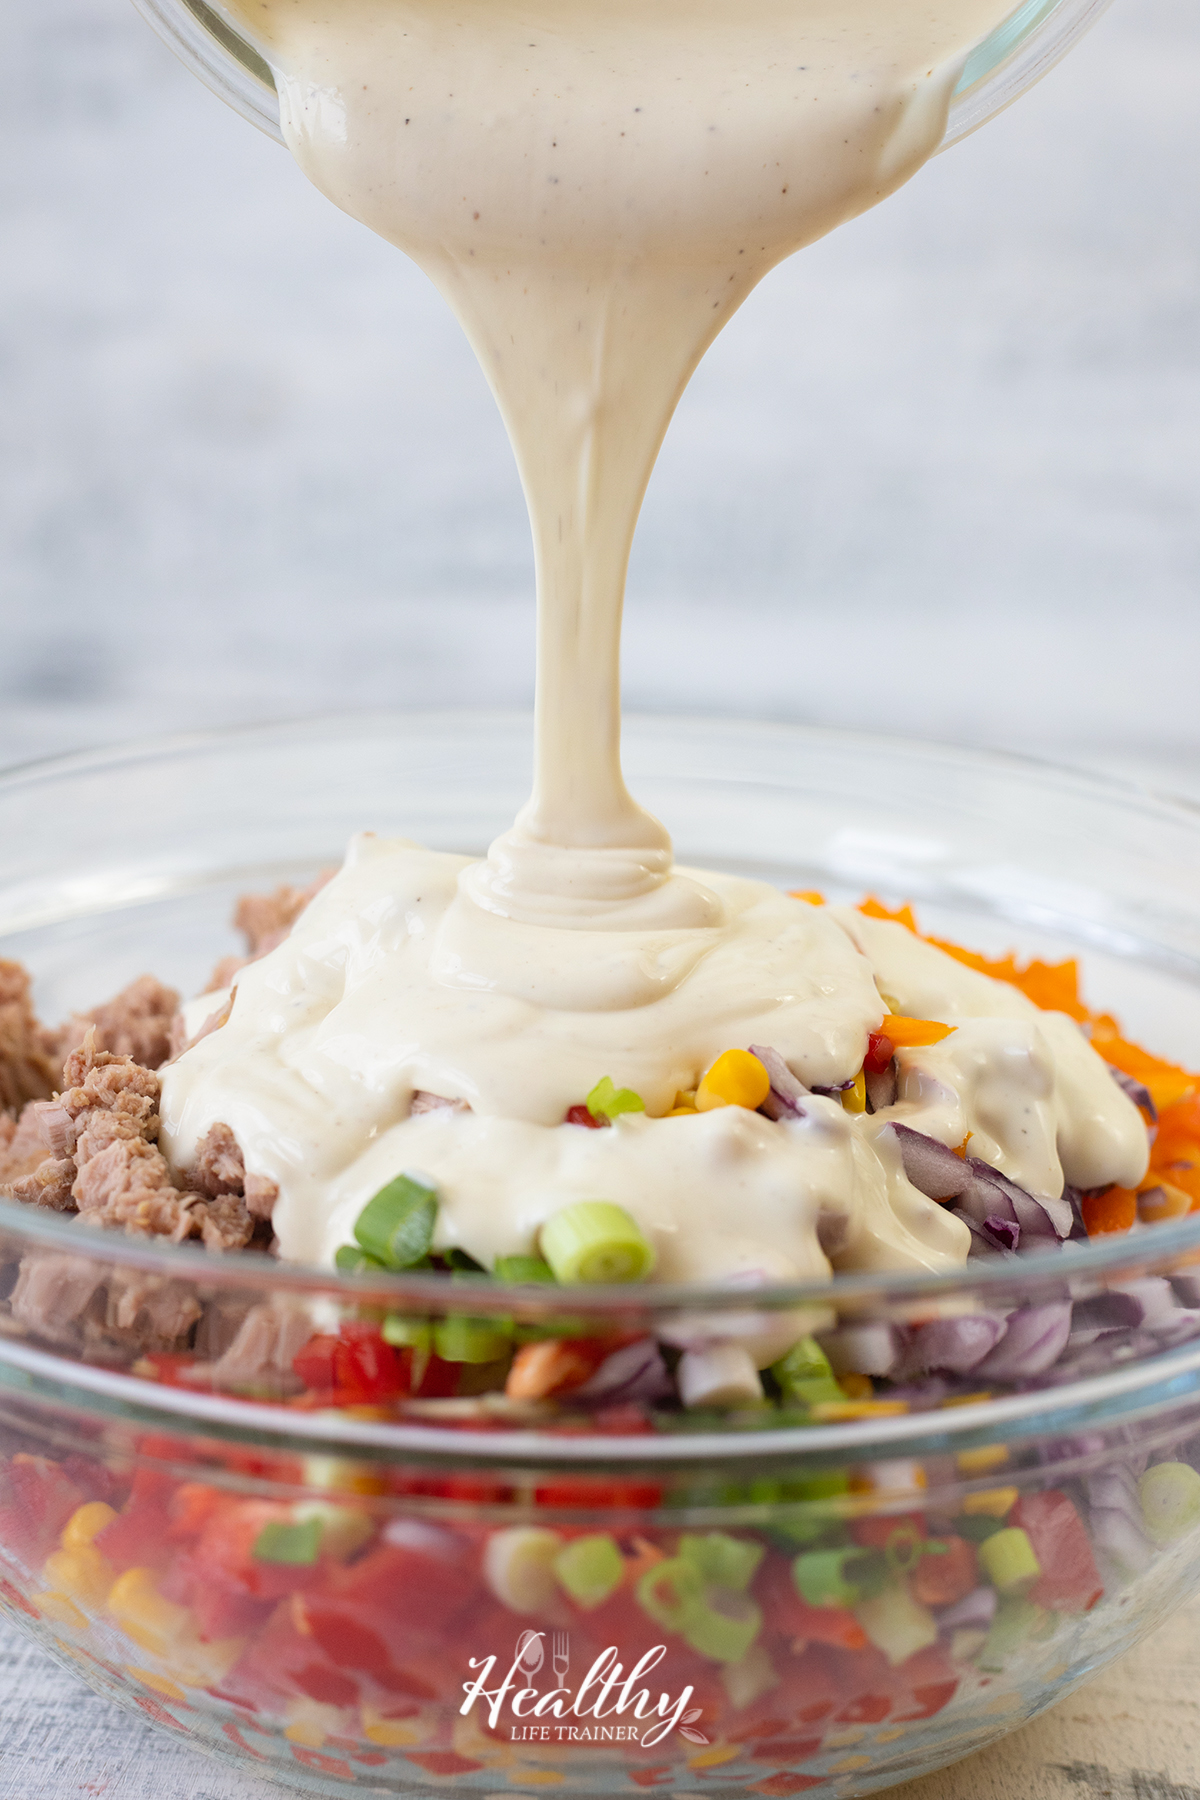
[634, 1372]
[1039, 1215]
[1035, 1339]
[1005, 1233]
[1186, 1289]
[1115, 1517]
[831, 1093]
[1154, 1295]
[787, 1093]
[934, 1171]
[975, 1612]
[881, 1089]
[1138, 1092]
[1111, 1311]
[955, 1346]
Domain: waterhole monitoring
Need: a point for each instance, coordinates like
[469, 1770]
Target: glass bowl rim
[242, 1268]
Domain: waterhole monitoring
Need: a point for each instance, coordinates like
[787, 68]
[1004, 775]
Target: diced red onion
[786, 1095]
[976, 1612]
[956, 1346]
[1110, 1311]
[1138, 1092]
[933, 1169]
[634, 1372]
[1035, 1339]
[1115, 1517]
[881, 1087]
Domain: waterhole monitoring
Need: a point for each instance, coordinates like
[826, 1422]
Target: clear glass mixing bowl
[1019, 52]
[230, 1499]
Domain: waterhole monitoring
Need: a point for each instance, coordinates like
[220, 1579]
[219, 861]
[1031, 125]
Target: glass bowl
[1036, 35]
[247, 1500]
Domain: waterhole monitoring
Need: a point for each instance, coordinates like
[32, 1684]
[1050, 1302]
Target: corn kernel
[170, 1690]
[392, 1734]
[996, 1503]
[1162, 1201]
[83, 1575]
[735, 1079]
[979, 1462]
[310, 1722]
[85, 1523]
[61, 1610]
[855, 1386]
[854, 1099]
[143, 1615]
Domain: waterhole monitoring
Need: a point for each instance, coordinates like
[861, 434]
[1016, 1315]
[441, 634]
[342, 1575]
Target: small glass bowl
[312, 1583]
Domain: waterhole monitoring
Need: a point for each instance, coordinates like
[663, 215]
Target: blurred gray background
[939, 476]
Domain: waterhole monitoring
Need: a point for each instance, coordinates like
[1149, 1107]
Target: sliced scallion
[522, 1268]
[724, 1625]
[607, 1101]
[280, 1542]
[351, 1259]
[728, 1561]
[405, 1333]
[595, 1240]
[397, 1225]
[459, 1339]
[590, 1568]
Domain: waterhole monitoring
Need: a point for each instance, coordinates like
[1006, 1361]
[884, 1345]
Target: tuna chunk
[270, 1335]
[52, 1293]
[220, 1173]
[136, 1023]
[28, 1054]
[264, 920]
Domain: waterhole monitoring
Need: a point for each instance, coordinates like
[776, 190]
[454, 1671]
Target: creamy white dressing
[595, 186]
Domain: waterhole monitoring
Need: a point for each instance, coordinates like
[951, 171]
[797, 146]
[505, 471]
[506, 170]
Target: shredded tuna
[424, 1102]
[267, 1340]
[135, 1023]
[53, 1291]
[21, 1144]
[28, 1054]
[264, 920]
[220, 1173]
[149, 1312]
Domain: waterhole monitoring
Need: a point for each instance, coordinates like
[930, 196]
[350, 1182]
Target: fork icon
[560, 1656]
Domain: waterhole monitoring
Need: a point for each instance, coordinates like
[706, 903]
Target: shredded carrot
[809, 894]
[551, 1367]
[1115, 1210]
[1054, 987]
[909, 1033]
[961, 1149]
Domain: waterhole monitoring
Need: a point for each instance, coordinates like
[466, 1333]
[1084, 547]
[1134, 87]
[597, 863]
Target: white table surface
[939, 477]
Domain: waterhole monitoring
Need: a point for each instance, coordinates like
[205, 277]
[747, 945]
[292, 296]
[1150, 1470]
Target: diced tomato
[140, 1535]
[476, 1490]
[946, 1573]
[579, 1115]
[598, 1494]
[190, 1508]
[880, 1051]
[327, 1685]
[878, 1532]
[95, 1479]
[355, 1366]
[1070, 1581]
[926, 1682]
[41, 1500]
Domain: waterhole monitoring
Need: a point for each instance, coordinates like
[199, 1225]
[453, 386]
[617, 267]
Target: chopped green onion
[405, 1333]
[804, 1375]
[897, 1624]
[724, 1625]
[351, 1260]
[279, 1542]
[463, 1263]
[1170, 1495]
[977, 1527]
[606, 1101]
[670, 1592]
[594, 1240]
[728, 1561]
[522, 1268]
[397, 1224]
[1009, 1560]
[1014, 1622]
[821, 1579]
[460, 1339]
[590, 1568]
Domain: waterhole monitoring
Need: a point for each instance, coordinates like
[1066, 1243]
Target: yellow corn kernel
[996, 1502]
[392, 1734]
[714, 1756]
[855, 1386]
[61, 1610]
[143, 1615]
[83, 1575]
[835, 1412]
[1162, 1201]
[339, 1474]
[310, 1722]
[735, 1079]
[981, 1461]
[854, 1099]
[200, 1665]
[85, 1523]
[170, 1690]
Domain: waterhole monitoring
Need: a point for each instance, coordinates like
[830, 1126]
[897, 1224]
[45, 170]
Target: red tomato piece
[945, 1575]
[140, 1535]
[878, 1533]
[579, 1115]
[1069, 1581]
[880, 1051]
[356, 1366]
[598, 1494]
[327, 1685]
[41, 1500]
[785, 1750]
